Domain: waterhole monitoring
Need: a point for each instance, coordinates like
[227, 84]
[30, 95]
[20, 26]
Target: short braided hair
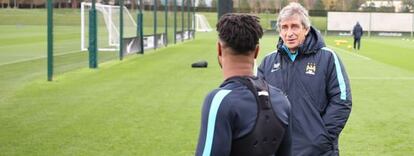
[241, 32]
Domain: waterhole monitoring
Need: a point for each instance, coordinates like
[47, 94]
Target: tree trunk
[74, 4]
[133, 4]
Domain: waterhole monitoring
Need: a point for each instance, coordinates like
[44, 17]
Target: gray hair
[294, 9]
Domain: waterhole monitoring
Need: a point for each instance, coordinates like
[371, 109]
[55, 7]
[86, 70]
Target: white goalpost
[108, 36]
[201, 23]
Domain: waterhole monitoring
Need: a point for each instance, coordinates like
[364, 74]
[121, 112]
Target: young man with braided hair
[244, 116]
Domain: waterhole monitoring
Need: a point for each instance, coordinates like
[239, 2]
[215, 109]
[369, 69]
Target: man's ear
[219, 53]
[256, 51]
[307, 31]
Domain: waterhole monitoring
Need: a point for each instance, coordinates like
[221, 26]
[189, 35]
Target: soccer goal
[201, 23]
[108, 26]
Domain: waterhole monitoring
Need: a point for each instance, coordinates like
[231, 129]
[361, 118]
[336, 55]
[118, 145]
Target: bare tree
[214, 3]
[133, 4]
[244, 5]
[74, 3]
[202, 3]
[319, 5]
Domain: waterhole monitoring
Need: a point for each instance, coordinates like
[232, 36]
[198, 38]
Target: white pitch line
[350, 53]
[382, 78]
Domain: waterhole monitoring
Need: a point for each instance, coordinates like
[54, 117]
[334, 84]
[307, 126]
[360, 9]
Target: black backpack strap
[268, 131]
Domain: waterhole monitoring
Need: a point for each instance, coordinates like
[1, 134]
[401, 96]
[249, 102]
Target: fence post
[93, 46]
[188, 16]
[182, 21]
[175, 21]
[155, 25]
[166, 22]
[121, 29]
[412, 29]
[49, 40]
[141, 28]
[194, 20]
[370, 21]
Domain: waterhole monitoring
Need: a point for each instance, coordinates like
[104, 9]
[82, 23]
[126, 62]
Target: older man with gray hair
[314, 80]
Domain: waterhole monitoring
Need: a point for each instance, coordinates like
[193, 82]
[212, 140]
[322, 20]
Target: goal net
[108, 25]
[201, 23]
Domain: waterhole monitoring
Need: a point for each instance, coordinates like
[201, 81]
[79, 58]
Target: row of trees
[244, 5]
[334, 5]
[76, 3]
[37, 3]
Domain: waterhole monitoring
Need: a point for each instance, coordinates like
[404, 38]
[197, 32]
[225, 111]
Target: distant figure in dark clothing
[357, 32]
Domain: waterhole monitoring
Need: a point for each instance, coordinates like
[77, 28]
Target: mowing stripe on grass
[41, 57]
[349, 53]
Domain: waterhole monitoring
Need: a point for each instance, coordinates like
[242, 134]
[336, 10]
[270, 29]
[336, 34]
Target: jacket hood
[312, 44]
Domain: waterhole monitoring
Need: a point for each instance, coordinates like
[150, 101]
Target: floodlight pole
[49, 40]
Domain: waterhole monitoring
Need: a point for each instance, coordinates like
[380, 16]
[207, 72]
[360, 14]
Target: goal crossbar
[111, 24]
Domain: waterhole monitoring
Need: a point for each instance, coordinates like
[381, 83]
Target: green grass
[24, 36]
[150, 104]
[392, 51]
[122, 123]
[381, 121]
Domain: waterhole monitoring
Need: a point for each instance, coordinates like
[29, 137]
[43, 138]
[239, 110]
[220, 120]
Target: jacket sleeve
[215, 132]
[339, 96]
[362, 31]
[353, 30]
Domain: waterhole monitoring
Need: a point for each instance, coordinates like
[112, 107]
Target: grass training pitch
[150, 104]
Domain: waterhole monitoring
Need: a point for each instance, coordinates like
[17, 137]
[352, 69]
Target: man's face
[292, 31]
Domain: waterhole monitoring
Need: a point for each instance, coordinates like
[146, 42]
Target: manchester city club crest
[310, 69]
